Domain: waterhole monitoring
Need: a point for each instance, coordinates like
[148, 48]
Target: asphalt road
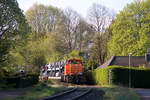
[143, 93]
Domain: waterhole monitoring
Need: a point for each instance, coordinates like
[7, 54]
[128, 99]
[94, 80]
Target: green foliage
[13, 28]
[67, 29]
[36, 92]
[75, 54]
[131, 31]
[100, 18]
[50, 40]
[119, 93]
[17, 80]
[38, 52]
[10, 77]
[5, 72]
[99, 47]
[15, 59]
[43, 19]
[98, 76]
[91, 64]
[119, 75]
[39, 60]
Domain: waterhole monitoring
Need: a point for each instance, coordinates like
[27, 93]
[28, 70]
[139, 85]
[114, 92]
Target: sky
[81, 6]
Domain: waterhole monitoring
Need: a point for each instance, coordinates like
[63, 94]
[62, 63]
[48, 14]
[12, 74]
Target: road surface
[143, 93]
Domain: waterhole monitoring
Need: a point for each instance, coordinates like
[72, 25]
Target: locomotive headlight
[80, 73]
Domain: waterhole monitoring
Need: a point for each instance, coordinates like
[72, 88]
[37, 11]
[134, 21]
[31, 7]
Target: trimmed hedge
[119, 75]
[99, 77]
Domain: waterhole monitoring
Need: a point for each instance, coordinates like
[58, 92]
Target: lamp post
[130, 69]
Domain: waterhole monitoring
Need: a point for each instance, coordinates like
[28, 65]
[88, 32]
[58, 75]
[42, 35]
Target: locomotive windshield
[75, 62]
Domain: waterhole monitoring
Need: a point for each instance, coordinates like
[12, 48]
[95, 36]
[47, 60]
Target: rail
[81, 95]
[72, 94]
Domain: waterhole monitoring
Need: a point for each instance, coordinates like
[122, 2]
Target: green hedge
[99, 76]
[17, 80]
[119, 75]
[21, 81]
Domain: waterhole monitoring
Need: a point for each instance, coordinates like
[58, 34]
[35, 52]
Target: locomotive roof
[75, 59]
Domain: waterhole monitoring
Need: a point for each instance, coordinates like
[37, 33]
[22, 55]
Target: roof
[107, 63]
[136, 61]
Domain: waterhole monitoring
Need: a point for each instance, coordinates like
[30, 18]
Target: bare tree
[42, 18]
[100, 17]
[76, 31]
[68, 27]
[84, 35]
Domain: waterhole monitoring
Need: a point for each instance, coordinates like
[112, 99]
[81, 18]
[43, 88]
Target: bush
[18, 80]
[91, 64]
[3, 74]
[98, 76]
[24, 80]
[119, 75]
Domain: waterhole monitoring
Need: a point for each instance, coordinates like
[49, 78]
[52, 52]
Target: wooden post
[109, 76]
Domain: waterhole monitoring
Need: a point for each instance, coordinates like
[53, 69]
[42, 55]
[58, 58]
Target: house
[135, 61]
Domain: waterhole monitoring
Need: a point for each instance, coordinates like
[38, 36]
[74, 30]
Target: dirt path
[143, 93]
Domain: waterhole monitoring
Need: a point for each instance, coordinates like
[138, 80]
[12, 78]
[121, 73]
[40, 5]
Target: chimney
[147, 57]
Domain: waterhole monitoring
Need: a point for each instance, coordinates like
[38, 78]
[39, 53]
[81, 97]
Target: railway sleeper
[78, 97]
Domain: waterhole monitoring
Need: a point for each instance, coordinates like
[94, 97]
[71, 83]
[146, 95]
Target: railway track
[72, 94]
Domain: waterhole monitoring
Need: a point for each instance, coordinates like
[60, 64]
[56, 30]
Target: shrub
[12, 79]
[26, 80]
[91, 64]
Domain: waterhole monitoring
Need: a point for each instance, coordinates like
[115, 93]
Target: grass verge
[36, 92]
[119, 93]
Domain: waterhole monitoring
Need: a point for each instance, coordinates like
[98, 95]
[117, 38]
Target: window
[75, 62]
